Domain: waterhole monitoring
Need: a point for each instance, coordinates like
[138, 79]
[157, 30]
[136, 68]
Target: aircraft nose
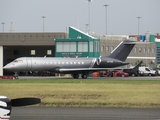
[7, 67]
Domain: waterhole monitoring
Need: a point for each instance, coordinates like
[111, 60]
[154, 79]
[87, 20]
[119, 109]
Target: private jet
[74, 66]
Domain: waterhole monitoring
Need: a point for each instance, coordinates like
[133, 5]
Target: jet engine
[5, 108]
[98, 61]
[6, 105]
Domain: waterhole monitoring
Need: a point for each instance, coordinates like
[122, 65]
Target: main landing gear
[16, 75]
[83, 75]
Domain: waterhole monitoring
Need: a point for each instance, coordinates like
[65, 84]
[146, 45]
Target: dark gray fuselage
[54, 64]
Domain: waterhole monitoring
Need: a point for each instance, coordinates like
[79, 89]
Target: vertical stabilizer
[122, 51]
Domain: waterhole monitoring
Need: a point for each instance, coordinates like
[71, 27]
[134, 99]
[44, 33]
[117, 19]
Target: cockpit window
[19, 61]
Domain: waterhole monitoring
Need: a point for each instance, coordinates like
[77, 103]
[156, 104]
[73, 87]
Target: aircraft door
[29, 64]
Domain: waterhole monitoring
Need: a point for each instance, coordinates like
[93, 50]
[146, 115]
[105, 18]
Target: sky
[25, 16]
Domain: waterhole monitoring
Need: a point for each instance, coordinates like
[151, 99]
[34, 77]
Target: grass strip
[86, 93]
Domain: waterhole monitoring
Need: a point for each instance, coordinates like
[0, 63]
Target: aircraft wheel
[84, 76]
[133, 75]
[76, 76]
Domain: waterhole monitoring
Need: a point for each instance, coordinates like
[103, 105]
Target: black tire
[76, 76]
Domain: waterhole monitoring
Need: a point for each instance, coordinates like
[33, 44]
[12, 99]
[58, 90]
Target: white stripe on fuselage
[92, 63]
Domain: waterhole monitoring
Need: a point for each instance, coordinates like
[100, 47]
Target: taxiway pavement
[56, 113]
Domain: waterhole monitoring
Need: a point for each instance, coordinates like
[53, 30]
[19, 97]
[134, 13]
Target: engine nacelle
[98, 62]
[5, 108]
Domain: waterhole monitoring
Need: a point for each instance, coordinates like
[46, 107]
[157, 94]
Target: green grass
[86, 93]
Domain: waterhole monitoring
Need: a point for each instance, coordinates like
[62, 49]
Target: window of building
[66, 46]
[82, 46]
[33, 52]
[96, 46]
[149, 50]
[144, 50]
[49, 52]
[72, 47]
[135, 49]
[102, 48]
[140, 49]
[107, 48]
[91, 46]
[112, 48]
[153, 51]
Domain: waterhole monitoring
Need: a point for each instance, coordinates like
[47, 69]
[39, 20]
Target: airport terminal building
[14, 45]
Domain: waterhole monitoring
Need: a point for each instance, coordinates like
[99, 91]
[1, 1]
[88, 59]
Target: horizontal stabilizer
[25, 101]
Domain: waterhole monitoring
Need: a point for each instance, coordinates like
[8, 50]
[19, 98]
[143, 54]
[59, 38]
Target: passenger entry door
[29, 64]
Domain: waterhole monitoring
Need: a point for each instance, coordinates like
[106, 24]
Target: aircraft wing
[86, 69]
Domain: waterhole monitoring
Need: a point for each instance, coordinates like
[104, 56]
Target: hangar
[14, 45]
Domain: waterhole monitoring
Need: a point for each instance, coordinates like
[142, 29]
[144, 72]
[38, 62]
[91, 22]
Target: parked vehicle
[121, 74]
[157, 71]
[146, 71]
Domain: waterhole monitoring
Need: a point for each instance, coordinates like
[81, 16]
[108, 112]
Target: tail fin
[137, 66]
[122, 51]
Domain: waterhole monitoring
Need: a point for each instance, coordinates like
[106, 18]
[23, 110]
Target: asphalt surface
[53, 113]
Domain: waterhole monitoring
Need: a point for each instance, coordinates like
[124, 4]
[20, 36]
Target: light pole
[138, 23]
[106, 15]
[86, 28]
[3, 26]
[43, 21]
[89, 25]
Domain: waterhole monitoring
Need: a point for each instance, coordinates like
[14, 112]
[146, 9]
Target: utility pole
[43, 21]
[106, 15]
[89, 24]
[138, 23]
[3, 26]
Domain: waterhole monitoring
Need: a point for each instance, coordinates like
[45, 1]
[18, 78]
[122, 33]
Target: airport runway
[53, 113]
